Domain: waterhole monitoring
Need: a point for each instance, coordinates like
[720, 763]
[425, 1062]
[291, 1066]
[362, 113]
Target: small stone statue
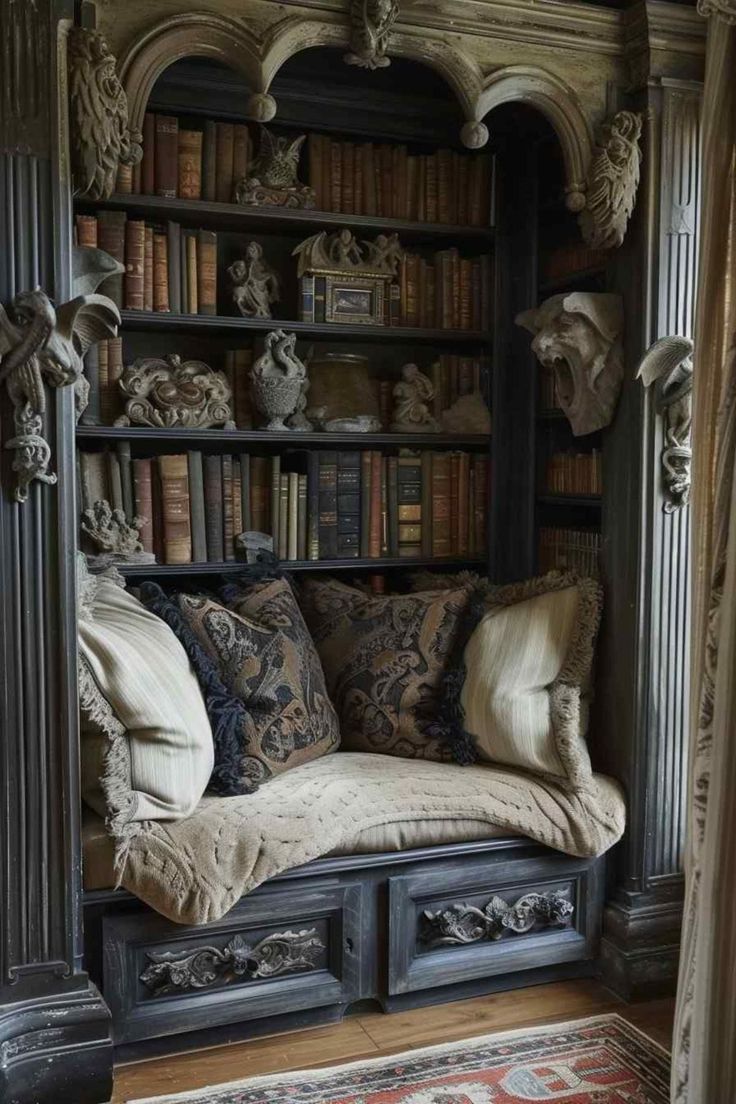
[299, 420]
[272, 180]
[255, 284]
[412, 396]
[117, 540]
[277, 379]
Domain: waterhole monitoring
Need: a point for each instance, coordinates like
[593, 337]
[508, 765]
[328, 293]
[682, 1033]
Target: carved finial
[261, 107]
[370, 26]
[612, 181]
[669, 364]
[101, 138]
[474, 134]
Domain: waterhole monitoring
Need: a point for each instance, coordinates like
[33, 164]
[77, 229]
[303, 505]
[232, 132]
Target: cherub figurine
[412, 396]
[344, 250]
[255, 284]
[384, 253]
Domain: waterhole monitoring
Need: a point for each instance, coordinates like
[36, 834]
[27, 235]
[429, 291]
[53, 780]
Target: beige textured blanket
[195, 870]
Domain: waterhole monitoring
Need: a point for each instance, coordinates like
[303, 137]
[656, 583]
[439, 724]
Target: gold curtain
[704, 1049]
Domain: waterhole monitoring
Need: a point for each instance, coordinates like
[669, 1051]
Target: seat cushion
[193, 871]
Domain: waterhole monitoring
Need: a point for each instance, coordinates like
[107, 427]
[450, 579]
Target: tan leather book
[111, 238]
[224, 143]
[369, 179]
[103, 375]
[455, 286]
[481, 469]
[375, 537]
[347, 201]
[190, 164]
[421, 189]
[441, 531]
[432, 189]
[260, 493]
[241, 153]
[454, 502]
[148, 270]
[135, 249]
[444, 186]
[160, 272]
[293, 516]
[463, 503]
[86, 226]
[228, 530]
[237, 500]
[114, 375]
[207, 271]
[465, 275]
[388, 182]
[166, 156]
[314, 157]
[177, 532]
[209, 161]
[283, 541]
[462, 172]
[143, 498]
[335, 176]
[148, 174]
[192, 305]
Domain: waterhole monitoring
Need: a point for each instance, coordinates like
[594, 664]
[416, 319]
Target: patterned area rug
[603, 1060]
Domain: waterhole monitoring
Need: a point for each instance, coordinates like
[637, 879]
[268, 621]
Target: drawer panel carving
[463, 924]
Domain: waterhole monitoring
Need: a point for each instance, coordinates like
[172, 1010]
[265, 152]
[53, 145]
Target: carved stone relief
[254, 283]
[413, 396]
[100, 137]
[167, 392]
[463, 924]
[370, 26]
[669, 365]
[280, 953]
[113, 538]
[613, 179]
[579, 336]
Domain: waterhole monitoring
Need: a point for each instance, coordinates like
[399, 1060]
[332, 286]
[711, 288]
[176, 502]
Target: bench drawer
[280, 950]
[491, 917]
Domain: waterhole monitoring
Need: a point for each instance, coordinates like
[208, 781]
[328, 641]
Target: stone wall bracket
[668, 363]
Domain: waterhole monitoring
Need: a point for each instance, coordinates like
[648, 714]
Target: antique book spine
[148, 171]
[378, 181]
[426, 503]
[237, 501]
[192, 281]
[283, 541]
[365, 504]
[409, 506]
[387, 181]
[455, 284]
[348, 504]
[421, 195]
[465, 275]
[444, 161]
[358, 178]
[431, 295]
[384, 505]
[422, 292]
[336, 176]
[412, 289]
[124, 180]
[462, 170]
[157, 513]
[209, 161]
[369, 179]
[301, 519]
[403, 288]
[275, 500]
[166, 157]
[476, 307]
[160, 273]
[243, 359]
[196, 507]
[183, 272]
[315, 158]
[313, 489]
[441, 531]
[173, 260]
[86, 226]
[213, 503]
[92, 414]
[473, 548]
[207, 271]
[393, 505]
[374, 543]
[480, 501]
[177, 533]
[224, 142]
[114, 482]
[454, 501]
[107, 405]
[125, 465]
[228, 535]
[111, 238]
[260, 493]
[293, 526]
[190, 164]
[412, 177]
[148, 270]
[401, 183]
[444, 290]
[241, 146]
[93, 478]
[245, 493]
[347, 195]
[327, 505]
[486, 284]
[115, 368]
[463, 503]
[143, 498]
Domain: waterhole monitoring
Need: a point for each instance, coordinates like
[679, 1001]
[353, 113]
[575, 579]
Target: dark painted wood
[140, 571]
[222, 438]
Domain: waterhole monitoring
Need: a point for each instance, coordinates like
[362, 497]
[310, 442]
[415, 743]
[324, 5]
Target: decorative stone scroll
[579, 336]
[100, 137]
[272, 180]
[370, 26]
[280, 953]
[463, 924]
[613, 179]
[669, 364]
[166, 392]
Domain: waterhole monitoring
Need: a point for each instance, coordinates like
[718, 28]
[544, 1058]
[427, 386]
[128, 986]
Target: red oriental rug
[603, 1060]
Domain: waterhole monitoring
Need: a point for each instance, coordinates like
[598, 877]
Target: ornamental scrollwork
[669, 364]
[280, 953]
[167, 391]
[370, 27]
[463, 924]
[613, 179]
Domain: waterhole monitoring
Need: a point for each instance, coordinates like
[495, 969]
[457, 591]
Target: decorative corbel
[613, 179]
[100, 137]
[669, 364]
[370, 26]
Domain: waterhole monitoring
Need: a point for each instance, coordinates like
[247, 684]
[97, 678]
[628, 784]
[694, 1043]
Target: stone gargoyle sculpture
[579, 336]
[42, 344]
[668, 363]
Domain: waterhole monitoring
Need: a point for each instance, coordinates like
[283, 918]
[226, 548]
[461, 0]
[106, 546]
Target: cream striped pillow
[147, 749]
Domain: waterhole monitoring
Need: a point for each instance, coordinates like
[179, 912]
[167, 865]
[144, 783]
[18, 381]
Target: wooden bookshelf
[231, 567]
[591, 502]
[265, 439]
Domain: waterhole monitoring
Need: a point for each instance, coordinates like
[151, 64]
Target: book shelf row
[574, 473]
[564, 549]
[315, 505]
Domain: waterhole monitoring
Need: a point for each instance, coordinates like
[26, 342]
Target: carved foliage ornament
[167, 392]
[272, 180]
[280, 953]
[579, 336]
[462, 924]
[613, 179]
[101, 139]
[669, 365]
[370, 26]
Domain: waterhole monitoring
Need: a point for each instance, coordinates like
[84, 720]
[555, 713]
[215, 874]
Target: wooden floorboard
[371, 1035]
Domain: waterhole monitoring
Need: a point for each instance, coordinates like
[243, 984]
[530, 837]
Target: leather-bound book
[348, 504]
[313, 489]
[177, 530]
[441, 531]
[190, 164]
[283, 541]
[275, 500]
[384, 505]
[392, 492]
[228, 530]
[148, 269]
[260, 493]
[328, 505]
[374, 509]
[462, 174]
[369, 179]
[173, 257]
[443, 290]
[160, 272]
[242, 361]
[401, 170]
[365, 503]
[114, 375]
[237, 500]
[431, 296]
[455, 277]
[93, 478]
[143, 498]
[486, 292]
[421, 193]
[196, 507]
[135, 248]
[224, 142]
[347, 200]
[166, 158]
[476, 296]
[409, 506]
[245, 493]
[124, 180]
[388, 182]
[481, 466]
[432, 188]
[92, 414]
[213, 511]
[148, 175]
[412, 289]
[301, 518]
[190, 237]
[454, 501]
[209, 161]
[466, 293]
[207, 271]
[241, 153]
[111, 238]
[107, 405]
[126, 477]
[114, 482]
[463, 503]
[444, 186]
[157, 514]
[426, 504]
[292, 552]
[335, 176]
[86, 226]
[358, 178]
[314, 157]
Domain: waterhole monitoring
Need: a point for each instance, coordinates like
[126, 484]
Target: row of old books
[316, 505]
[566, 260]
[167, 268]
[386, 181]
[570, 550]
[449, 292]
[204, 162]
[575, 473]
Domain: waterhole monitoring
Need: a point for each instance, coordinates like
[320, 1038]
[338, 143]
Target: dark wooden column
[54, 1034]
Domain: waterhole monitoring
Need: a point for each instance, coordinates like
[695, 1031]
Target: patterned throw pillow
[266, 660]
[384, 660]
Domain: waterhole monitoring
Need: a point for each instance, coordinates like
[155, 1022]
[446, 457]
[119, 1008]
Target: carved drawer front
[279, 950]
[492, 916]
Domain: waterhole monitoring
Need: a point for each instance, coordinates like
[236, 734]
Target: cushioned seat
[194, 870]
